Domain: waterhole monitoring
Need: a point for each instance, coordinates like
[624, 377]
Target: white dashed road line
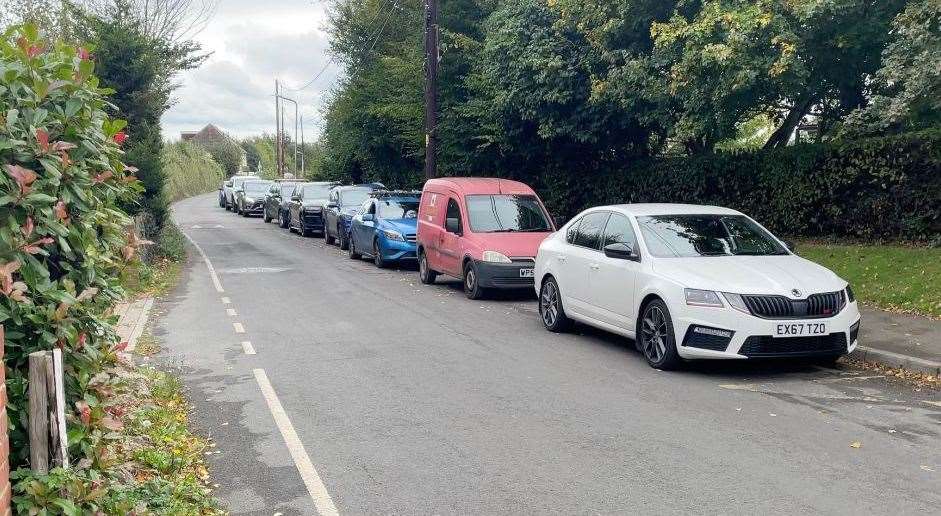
[315, 486]
[231, 312]
[238, 327]
[248, 348]
[226, 301]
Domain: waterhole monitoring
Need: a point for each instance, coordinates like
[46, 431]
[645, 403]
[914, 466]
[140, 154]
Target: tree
[227, 153]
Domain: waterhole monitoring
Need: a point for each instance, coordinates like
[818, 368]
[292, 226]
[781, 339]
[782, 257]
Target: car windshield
[315, 192]
[506, 213]
[256, 187]
[354, 196]
[706, 235]
[287, 189]
[397, 208]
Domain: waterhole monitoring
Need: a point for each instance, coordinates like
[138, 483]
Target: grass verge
[890, 277]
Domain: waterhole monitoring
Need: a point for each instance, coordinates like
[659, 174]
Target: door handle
[594, 266]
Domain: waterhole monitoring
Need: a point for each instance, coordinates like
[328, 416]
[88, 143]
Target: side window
[370, 206]
[572, 232]
[453, 216]
[589, 231]
[619, 231]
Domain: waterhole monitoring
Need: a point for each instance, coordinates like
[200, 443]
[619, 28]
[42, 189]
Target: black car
[277, 200]
[306, 209]
[250, 197]
[345, 202]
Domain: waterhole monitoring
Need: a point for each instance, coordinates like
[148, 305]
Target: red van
[483, 230]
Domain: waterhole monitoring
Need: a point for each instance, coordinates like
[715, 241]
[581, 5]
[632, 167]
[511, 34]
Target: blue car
[385, 227]
[344, 202]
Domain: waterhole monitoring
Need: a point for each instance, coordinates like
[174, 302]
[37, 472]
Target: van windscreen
[506, 213]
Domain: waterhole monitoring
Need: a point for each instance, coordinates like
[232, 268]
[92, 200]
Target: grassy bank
[190, 170]
[890, 277]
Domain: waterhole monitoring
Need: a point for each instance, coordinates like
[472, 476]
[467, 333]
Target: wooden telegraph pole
[431, 88]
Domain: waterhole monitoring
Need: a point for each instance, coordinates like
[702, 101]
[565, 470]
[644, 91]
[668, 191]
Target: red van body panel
[446, 252]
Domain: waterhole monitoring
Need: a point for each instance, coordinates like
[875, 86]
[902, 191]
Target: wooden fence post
[38, 414]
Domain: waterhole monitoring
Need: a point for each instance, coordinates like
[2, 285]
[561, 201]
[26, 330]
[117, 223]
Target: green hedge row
[877, 188]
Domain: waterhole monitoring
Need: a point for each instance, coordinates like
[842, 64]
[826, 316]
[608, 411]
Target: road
[412, 399]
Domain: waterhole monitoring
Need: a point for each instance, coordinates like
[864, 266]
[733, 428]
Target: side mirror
[368, 217]
[452, 225]
[228, 183]
[791, 246]
[558, 221]
[621, 251]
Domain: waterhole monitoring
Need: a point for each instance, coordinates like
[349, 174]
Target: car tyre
[328, 237]
[425, 272]
[344, 240]
[550, 307]
[266, 217]
[472, 288]
[304, 231]
[377, 255]
[353, 254]
[656, 337]
[282, 220]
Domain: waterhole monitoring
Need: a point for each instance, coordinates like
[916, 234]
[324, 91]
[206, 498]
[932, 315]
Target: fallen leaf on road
[856, 444]
[926, 468]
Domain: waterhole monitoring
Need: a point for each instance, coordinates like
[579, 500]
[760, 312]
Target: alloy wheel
[377, 255]
[549, 304]
[654, 334]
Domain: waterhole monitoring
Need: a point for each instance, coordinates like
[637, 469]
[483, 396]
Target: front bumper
[505, 275]
[397, 250]
[703, 332]
[255, 209]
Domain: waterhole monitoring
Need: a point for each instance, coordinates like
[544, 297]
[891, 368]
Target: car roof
[481, 185]
[645, 209]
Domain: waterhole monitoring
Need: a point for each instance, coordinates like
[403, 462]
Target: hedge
[878, 188]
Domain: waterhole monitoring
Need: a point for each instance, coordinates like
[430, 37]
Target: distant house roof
[205, 135]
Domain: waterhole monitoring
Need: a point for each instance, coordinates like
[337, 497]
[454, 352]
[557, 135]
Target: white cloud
[252, 44]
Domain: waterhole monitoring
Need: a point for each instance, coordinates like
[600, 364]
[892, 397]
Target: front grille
[827, 304]
[703, 337]
[767, 346]
[411, 238]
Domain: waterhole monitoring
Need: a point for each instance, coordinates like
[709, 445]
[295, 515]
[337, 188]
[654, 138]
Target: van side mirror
[621, 251]
[452, 225]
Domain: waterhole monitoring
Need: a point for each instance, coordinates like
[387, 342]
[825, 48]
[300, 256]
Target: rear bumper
[312, 222]
[504, 275]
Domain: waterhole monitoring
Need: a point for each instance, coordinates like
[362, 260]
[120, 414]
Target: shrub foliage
[190, 170]
[63, 239]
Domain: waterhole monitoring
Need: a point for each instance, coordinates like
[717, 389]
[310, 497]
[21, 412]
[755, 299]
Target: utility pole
[292, 101]
[303, 169]
[431, 88]
[277, 128]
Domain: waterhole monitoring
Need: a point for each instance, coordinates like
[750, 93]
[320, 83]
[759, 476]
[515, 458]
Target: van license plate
[527, 273]
[800, 329]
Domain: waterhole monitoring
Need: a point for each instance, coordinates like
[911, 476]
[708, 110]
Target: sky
[252, 44]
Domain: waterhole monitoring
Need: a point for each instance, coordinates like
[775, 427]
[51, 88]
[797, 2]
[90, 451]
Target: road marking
[248, 348]
[315, 487]
[231, 312]
[238, 327]
[212, 270]
[226, 301]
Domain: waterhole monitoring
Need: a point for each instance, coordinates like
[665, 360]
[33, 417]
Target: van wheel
[656, 337]
[425, 274]
[472, 288]
[550, 307]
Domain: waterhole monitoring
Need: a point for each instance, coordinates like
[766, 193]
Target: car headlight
[850, 295]
[249, 199]
[393, 235]
[736, 302]
[703, 298]
[495, 257]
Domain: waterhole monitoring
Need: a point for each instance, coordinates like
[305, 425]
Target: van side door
[449, 239]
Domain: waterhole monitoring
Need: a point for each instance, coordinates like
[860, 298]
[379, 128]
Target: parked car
[385, 229]
[250, 197]
[306, 210]
[228, 190]
[277, 200]
[485, 231]
[345, 201]
[690, 282]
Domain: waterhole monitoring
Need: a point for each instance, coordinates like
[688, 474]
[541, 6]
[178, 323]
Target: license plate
[527, 273]
[800, 329]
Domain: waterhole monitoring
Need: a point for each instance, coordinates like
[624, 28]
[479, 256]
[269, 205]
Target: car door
[449, 245]
[296, 204]
[362, 230]
[613, 282]
[560, 262]
[583, 258]
[272, 198]
[330, 214]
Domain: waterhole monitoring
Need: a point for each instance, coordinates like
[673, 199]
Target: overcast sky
[252, 43]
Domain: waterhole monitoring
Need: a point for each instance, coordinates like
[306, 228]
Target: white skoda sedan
[691, 282]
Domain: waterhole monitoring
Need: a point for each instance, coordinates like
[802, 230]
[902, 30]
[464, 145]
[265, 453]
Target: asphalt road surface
[328, 384]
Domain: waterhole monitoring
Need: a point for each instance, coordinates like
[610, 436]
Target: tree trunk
[782, 134]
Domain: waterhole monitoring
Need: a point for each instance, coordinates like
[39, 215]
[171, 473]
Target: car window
[589, 231]
[572, 231]
[369, 207]
[505, 213]
[287, 190]
[397, 208]
[314, 191]
[619, 231]
[454, 212]
[706, 235]
[354, 196]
